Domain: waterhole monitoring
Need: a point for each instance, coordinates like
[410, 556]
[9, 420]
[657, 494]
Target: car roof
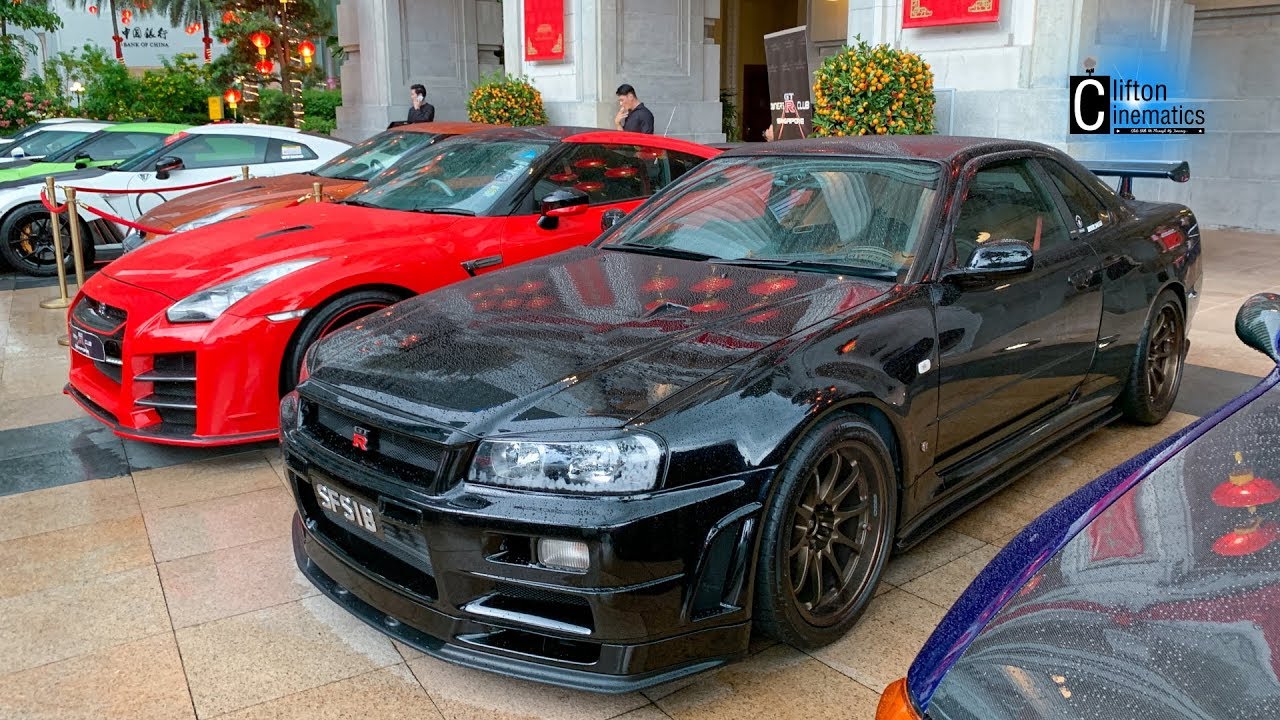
[445, 128]
[76, 126]
[942, 148]
[147, 127]
[567, 133]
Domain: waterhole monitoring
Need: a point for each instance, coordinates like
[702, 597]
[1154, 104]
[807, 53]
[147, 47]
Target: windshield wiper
[446, 211]
[662, 250]
[361, 203]
[815, 265]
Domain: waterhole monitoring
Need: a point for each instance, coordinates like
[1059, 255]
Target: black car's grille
[383, 452]
[173, 392]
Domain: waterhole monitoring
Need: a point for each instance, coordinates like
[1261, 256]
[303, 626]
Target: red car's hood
[191, 261]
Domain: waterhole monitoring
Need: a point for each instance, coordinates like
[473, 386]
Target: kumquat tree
[866, 90]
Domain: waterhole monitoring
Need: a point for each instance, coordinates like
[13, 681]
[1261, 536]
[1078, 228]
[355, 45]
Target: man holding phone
[632, 114]
[422, 111]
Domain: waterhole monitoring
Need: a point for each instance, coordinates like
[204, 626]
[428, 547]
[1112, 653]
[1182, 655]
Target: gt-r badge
[360, 438]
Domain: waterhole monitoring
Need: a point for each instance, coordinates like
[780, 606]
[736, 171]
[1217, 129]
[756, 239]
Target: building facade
[1008, 77]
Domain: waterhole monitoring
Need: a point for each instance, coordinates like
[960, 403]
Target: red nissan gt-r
[192, 340]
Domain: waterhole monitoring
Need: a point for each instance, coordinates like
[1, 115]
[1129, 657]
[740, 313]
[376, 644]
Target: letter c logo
[1075, 104]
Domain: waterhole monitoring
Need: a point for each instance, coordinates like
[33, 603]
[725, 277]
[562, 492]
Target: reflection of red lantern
[622, 172]
[764, 317]
[485, 305]
[262, 41]
[712, 284]
[307, 50]
[265, 66]
[649, 154]
[539, 302]
[590, 186]
[1246, 540]
[589, 163]
[1243, 490]
[659, 283]
[654, 305]
[511, 303]
[531, 286]
[713, 305]
[562, 177]
[773, 285]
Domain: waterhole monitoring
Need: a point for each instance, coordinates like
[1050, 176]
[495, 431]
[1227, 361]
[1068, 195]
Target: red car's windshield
[461, 175]
[860, 212]
[374, 155]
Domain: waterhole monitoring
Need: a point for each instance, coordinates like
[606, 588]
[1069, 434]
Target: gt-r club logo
[360, 438]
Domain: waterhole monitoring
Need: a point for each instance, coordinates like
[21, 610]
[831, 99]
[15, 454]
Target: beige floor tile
[405, 651]
[1058, 478]
[391, 693]
[16, 412]
[1220, 348]
[232, 581]
[70, 620]
[943, 585]
[28, 377]
[778, 683]
[276, 461]
[66, 506]
[939, 549]
[141, 680]
[880, 648]
[73, 555]
[648, 712]
[253, 658]
[1005, 512]
[210, 525]
[465, 694]
[204, 480]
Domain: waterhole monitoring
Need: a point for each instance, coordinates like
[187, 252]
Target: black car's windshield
[809, 213]
[459, 175]
[374, 155]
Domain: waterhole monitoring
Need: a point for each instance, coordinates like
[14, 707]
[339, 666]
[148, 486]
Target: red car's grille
[173, 392]
[108, 323]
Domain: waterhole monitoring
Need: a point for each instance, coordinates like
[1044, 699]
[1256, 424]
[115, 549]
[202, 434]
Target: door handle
[471, 266]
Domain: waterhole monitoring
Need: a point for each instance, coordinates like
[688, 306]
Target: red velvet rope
[56, 210]
[127, 223]
[155, 190]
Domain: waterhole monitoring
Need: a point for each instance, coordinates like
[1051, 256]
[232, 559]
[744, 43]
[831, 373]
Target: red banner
[926, 13]
[543, 29]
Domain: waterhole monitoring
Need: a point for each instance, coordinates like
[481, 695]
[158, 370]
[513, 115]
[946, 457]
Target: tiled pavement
[140, 582]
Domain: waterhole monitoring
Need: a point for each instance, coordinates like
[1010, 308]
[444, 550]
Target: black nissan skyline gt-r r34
[600, 469]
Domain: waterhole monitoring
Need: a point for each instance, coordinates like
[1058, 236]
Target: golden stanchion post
[316, 192]
[63, 300]
[244, 172]
[76, 253]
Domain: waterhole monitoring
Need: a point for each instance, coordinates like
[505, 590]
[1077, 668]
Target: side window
[282, 151]
[206, 151]
[1088, 212]
[607, 173]
[1004, 201]
[122, 145]
[681, 163]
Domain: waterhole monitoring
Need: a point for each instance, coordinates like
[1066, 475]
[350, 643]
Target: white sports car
[189, 159]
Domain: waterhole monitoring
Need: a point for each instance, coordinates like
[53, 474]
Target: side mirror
[565, 201]
[17, 153]
[996, 259]
[166, 165]
[1258, 324]
[84, 156]
[612, 217]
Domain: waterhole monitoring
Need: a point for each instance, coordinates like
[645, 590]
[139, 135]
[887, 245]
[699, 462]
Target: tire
[26, 241]
[1156, 372]
[325, 319]
[804, 604]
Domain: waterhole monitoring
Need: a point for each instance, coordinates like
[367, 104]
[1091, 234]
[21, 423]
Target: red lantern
[126, 17]
[307, 50]
[232, 97]
[265, 67]
[93, 9]
[193, 28]
[262, 41]
[229, 17]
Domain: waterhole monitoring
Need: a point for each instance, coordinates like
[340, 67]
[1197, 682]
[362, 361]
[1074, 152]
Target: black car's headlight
[595, 463]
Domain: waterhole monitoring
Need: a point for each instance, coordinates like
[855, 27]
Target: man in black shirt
[422, 111]
[632, 114]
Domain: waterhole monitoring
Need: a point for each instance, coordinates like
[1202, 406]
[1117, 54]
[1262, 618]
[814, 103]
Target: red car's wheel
[325, 319]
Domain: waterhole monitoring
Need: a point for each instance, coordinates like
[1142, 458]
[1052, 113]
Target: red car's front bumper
[175, 383]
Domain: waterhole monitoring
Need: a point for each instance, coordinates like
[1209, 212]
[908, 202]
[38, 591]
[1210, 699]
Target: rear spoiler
[1128, 170]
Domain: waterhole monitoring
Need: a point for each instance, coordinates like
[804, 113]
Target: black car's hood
[585, 337]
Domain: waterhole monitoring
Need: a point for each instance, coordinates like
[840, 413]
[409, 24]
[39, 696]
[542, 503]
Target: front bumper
[179, 384]
[667, 594]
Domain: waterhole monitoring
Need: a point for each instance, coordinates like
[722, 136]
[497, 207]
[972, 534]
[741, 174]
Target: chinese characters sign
[156, 37]
[544, 29]
[926, 13]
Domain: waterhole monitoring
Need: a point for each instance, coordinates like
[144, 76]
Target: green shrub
[322, 104]
[274, 108]
[178, 93]
[319, 125]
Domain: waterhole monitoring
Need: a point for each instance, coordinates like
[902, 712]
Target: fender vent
[273, 233]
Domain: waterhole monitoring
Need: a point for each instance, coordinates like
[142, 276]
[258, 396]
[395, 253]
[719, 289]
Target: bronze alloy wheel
[1164, 357]
[836, 526]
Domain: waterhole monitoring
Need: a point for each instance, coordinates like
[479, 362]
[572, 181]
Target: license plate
[87, 344]
[349, 509]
